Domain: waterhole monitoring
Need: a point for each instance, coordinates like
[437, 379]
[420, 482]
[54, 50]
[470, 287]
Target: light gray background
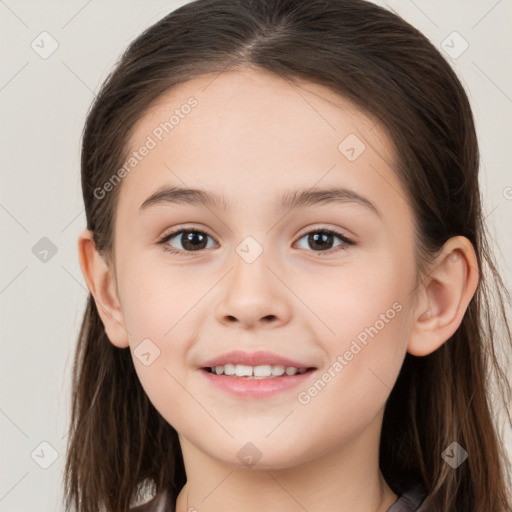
[43, 103]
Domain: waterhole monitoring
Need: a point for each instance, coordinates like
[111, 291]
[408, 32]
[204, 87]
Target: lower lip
[244, 387]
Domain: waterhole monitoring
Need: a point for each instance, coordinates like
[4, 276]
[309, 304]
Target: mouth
[255, 375]
[256, 372]
[256, 382]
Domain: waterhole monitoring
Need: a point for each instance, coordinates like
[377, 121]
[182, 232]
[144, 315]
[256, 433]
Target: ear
[444, 296]
[101, 283]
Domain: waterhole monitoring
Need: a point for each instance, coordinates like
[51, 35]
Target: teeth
[256, 372]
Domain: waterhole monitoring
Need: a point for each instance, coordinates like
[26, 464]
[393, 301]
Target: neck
[345, 479]
[271, 495]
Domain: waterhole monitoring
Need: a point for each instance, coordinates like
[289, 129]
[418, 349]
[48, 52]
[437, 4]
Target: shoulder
[410, 500]
[160, 503]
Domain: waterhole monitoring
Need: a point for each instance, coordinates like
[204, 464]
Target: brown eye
[323, 240]
[190, 240]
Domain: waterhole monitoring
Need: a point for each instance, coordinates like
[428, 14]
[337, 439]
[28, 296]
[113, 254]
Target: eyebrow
[288, 201]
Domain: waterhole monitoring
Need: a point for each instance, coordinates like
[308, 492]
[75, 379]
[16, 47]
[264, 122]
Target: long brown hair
[119, 444]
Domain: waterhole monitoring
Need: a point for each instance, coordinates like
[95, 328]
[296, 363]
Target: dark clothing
[409, 501]
[160, 503]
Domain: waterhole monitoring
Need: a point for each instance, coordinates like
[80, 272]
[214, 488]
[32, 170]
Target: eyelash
[163, 241]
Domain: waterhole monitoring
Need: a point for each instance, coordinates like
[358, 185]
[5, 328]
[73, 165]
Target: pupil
[189, 238]
[193, 240]
[320, 240]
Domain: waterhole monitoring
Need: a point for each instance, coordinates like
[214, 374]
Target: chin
[264, 456]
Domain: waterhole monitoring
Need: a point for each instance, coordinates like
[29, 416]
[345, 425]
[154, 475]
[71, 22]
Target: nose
[253, 295]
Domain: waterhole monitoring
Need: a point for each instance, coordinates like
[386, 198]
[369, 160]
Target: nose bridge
[250, 274]
[252, 291]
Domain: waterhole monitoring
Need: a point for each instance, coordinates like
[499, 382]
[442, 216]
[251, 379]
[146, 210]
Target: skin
[252, 137]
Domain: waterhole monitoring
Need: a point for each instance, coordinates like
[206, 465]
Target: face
[326, 283]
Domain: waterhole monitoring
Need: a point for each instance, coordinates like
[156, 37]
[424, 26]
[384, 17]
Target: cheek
[158, 307]
[363, 365]
[364, 330]
[367, 296]
[158, 301]
[161, 330]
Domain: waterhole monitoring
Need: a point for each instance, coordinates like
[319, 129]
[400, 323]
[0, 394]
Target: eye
[322, 239]
[191, 240]
[194, 240]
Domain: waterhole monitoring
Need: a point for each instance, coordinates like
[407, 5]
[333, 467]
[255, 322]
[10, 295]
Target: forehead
[248, 99]
[245, 131]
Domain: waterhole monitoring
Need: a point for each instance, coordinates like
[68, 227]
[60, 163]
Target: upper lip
[258, 358]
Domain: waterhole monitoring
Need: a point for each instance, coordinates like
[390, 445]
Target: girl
[290, 279]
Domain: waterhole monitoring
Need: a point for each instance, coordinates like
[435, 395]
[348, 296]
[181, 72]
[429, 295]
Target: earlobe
[101, 283]
[444, 296]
